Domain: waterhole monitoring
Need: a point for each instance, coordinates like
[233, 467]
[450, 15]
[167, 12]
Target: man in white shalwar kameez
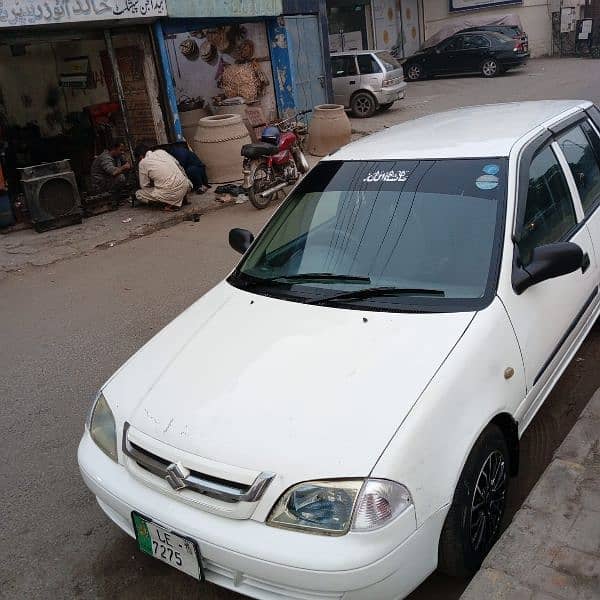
[162, 179]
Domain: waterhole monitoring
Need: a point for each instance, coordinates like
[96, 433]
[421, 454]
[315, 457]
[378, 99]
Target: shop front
[263, 60]
[73, 78]
[374, 24]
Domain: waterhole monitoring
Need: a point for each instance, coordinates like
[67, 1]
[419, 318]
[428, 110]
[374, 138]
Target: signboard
[457, 5]
[208, 9]
[23, 13]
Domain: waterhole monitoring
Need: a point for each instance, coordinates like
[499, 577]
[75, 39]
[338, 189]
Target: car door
[580, 145]
[475, 47]
[547, 317]
[443, 58]
[371, 74]
[345, 78]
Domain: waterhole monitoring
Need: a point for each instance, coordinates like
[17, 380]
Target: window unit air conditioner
[52, 195]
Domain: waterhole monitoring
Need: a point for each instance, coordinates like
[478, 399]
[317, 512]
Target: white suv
[342, 415]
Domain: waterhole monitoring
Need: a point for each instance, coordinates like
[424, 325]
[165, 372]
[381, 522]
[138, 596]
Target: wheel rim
[490, 68]
[414, 72]
[362, 105]
[488, 502]
[261, 183]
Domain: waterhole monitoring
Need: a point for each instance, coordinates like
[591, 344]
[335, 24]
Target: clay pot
[329, 129]
[218, 143]
[189, 122]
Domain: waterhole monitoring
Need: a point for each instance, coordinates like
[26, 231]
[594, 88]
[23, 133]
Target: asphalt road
[65, 329]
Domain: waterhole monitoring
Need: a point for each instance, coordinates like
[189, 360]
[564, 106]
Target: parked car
[512, 31]
[482, 52]
[366, 81]
[342, 414]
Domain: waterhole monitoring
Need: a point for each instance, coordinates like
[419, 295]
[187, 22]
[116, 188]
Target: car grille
[180, 477]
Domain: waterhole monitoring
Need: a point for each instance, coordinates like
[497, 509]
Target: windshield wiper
[321, 277]
[378, 291]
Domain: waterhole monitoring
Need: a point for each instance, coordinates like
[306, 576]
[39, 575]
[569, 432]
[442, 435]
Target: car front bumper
[391, 94]
[265, 562]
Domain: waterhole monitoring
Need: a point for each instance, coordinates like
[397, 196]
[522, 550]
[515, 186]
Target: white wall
[535, 16]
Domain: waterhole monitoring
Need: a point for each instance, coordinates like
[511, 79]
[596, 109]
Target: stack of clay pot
[329, 129]
[218, 142]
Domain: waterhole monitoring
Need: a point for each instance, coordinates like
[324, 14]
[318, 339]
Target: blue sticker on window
[487, 182]
[491, 169]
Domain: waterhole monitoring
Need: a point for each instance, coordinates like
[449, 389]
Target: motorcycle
[276, 161]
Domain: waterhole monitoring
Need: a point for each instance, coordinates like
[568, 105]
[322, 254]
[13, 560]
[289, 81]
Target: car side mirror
[547, 262]
[240, 239]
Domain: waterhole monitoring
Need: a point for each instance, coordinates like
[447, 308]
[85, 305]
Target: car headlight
[101, 424]
[335, 507]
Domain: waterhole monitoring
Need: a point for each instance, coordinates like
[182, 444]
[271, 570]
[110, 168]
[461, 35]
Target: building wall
[535, 16]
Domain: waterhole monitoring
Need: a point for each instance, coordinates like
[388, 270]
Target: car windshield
[385, 234]
[388, 61]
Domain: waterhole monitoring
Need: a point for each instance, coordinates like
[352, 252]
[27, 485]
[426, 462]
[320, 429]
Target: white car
[342, 415]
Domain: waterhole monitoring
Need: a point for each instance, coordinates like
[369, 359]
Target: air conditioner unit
[52, 195]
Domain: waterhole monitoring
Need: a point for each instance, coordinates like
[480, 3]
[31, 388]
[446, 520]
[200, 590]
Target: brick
[552, 582]
[585, 533]
[556, 491]
[592, 410]
[580, 441]
[496, 585]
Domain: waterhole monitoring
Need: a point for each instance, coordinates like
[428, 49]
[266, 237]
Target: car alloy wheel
[414, 72]
[474, 520]
[363, 105]
[490, 68]
[488, 502]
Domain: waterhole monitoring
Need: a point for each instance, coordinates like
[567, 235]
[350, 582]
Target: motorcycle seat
[259, 149]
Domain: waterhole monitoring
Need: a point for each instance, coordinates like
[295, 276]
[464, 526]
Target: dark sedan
[482, 52]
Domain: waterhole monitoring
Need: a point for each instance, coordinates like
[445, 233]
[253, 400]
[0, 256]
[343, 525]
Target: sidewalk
[551, 550]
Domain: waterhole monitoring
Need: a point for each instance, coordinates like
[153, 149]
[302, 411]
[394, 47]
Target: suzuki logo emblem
[176, 476]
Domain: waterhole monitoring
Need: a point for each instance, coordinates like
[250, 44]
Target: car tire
[415, 72]
[490, 68]
[385, 106]
[473, 522]
[363, 105]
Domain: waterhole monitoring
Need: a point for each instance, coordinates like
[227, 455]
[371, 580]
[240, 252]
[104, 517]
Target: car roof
[490, 130]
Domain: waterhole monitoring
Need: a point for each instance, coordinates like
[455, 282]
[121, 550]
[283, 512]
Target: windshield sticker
[491, 169]
[376, 176]
[487, 182]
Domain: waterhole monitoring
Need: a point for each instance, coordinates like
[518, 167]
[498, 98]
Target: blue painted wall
[280, 62]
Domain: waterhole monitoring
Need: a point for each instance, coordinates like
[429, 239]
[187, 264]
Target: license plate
[170, 548]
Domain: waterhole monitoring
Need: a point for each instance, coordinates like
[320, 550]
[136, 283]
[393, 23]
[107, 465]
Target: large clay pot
[218, 142]
[189, 122]
[329, 129]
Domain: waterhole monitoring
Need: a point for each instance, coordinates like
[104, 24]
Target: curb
[551, 549]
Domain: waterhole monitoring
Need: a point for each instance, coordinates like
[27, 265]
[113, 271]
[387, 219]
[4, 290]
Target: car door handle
[353, 82]
[585, 263]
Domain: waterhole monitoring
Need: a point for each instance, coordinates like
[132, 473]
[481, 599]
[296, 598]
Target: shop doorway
[350, 25]
[59, 99]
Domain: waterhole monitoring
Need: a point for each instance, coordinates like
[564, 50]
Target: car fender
[480, 379]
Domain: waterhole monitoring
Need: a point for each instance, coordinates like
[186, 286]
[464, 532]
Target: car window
[583, 162]
[549, 211]
[454, 43]
[388, 61]
[394, 223]
[343, 66]
[474, 41]
[367, 64]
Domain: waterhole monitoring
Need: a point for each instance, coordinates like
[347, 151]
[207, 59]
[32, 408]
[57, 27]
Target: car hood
[272, 385]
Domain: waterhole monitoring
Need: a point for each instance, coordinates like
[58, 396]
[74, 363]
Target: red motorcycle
[276, 161]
